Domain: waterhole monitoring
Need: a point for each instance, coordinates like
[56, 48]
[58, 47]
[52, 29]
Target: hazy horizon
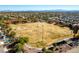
[38, 7]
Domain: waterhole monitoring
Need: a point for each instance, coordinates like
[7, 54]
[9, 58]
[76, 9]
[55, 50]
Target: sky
[38, 7]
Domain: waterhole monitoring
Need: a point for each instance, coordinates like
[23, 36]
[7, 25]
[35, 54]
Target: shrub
[19, 47]
[23, 40]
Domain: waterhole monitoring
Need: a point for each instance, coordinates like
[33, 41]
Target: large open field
[41, 34]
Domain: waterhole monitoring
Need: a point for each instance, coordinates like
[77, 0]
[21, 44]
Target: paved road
[29, 49]
[1, 49]
[74, 50]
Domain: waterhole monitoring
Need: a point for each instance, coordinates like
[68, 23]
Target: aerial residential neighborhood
[39, 31]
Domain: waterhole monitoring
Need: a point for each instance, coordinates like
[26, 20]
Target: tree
[18, 45]
[23, 40]
[75, 30]
[12, 34]
[70, 26]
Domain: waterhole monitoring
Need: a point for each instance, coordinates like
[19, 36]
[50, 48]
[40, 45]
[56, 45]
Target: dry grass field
[41, 34]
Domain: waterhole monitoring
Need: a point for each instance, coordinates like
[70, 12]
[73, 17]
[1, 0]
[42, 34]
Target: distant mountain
[57, 10]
